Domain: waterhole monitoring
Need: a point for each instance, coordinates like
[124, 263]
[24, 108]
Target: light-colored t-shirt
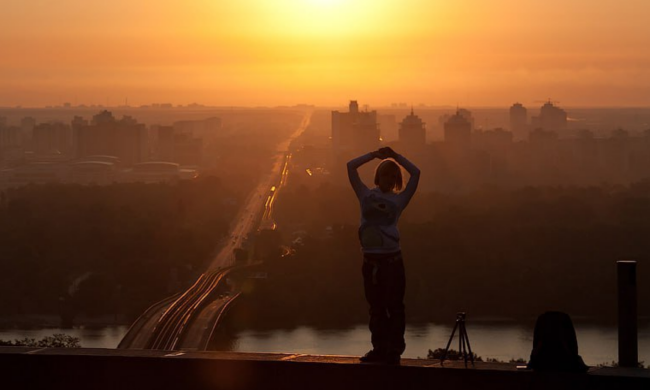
[380, 211]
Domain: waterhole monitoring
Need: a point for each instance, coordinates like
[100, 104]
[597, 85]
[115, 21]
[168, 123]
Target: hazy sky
[268, 52]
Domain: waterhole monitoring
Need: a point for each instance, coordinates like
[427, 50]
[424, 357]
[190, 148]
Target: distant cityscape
[101, 150]
[457, 153]
[535, 150]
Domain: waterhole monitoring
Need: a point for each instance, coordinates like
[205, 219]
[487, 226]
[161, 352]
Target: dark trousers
[384, 284]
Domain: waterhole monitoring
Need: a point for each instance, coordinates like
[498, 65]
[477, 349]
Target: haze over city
[324, 52]
[204, 192]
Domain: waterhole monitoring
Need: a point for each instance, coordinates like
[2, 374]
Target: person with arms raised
[383, 266]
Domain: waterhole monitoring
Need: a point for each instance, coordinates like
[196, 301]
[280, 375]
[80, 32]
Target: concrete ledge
[33, 368]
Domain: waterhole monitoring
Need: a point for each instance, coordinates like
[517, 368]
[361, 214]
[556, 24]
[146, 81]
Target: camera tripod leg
[467, 348]
[444, 355]
[461, 343]
[464, 350]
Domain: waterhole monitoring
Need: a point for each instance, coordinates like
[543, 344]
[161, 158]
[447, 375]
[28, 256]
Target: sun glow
[327, 18]
[256, 52]
[326, 3]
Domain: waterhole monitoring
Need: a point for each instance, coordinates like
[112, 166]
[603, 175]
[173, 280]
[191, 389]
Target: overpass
[187, 321]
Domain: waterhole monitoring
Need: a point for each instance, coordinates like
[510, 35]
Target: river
[597, 344]
[503, 341]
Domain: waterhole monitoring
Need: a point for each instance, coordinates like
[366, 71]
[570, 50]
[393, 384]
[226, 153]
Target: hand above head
[386, 152]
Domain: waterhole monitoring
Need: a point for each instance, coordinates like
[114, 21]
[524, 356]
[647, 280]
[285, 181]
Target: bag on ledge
[555, 345]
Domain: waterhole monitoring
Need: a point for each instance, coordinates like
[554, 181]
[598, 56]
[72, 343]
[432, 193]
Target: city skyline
[323, 52]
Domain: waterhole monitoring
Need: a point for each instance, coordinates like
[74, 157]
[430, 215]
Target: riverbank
[504, 341]
[42, 321]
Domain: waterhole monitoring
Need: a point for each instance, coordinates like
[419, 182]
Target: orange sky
[325, 52]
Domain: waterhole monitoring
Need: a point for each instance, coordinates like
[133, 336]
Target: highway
[186, 321]
[260, 201]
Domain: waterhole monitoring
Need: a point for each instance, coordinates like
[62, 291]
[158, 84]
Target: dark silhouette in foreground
[555, 345]
[383, 269]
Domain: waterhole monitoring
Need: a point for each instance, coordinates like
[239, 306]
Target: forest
[106, 250]
[493, 253]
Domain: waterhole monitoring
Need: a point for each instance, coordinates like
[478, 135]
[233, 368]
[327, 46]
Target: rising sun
[326, 2]
[326, 17]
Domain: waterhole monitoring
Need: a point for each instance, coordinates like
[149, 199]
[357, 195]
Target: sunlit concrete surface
[33, 368]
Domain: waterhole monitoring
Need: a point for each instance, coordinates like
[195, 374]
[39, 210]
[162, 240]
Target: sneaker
[373, 356]
[393, 359]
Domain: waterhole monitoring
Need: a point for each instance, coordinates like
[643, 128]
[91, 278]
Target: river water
[503, 341]
[597, 344]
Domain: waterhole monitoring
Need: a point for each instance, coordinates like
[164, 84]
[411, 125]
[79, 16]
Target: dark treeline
[55, 341]
[492, 252]
[91, 250]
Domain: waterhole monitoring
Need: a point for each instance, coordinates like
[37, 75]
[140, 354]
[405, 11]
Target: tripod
[463, 340]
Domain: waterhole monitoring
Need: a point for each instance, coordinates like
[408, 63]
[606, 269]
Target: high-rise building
[389, 127]
[179, 146]
[458, 131]
[551, 118]
[354, 130]
[165, 144]
[199, 128]
[465, 113]
[77, 124]
[412, 132]
[9, 137]
[519, 121]
[11, 146]
[52, 138]
[124, 138]
[495, 141]
[188, 150]
[27, 127]
[541, 136]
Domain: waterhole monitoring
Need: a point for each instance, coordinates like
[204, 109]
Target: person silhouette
[383, 268]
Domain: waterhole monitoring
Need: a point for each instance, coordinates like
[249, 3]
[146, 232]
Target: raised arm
[406, 195]
[357, 185]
